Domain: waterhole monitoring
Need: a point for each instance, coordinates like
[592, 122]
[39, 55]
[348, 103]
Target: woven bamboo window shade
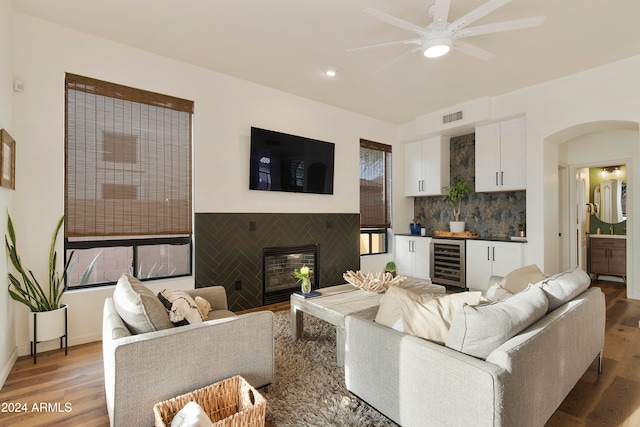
[128, 161]
[375, 184]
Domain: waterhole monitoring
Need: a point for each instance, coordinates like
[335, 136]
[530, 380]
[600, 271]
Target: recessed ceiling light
[331, 72]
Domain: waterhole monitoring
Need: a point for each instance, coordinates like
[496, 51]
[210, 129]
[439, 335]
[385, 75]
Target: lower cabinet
[412, 256]
[486, 258]
[608, 257]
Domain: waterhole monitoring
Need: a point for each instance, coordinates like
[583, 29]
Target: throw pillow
[389, 313]
[477, 331]
[565, 286]
[518, 280]
[204, 306]
[497, 293]
[191, 415]
[138, 307]
[429, 317]
[182, 309]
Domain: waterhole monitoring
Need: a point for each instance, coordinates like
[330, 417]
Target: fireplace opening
[278, 264]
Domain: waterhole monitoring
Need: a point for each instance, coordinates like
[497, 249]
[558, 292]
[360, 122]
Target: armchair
[145, 368]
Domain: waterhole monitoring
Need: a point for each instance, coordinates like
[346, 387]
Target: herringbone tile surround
[228, 247]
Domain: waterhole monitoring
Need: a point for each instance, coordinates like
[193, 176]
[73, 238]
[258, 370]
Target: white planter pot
[49, 324]
[456, 226]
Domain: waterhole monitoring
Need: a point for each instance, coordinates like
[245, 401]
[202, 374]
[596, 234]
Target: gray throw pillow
[139, 308]
[565, 286]
[478, 330]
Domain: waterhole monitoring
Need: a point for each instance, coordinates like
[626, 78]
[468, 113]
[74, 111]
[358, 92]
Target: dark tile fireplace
[278, 264]
[228, 249]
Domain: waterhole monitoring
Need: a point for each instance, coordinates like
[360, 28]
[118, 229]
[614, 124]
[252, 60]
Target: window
[375, 197]
[128, 205]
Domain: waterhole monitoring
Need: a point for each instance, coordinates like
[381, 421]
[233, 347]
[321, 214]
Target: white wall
[7, 323]
[225, 109]
[558, 111]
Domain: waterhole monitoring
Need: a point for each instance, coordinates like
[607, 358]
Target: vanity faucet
[611, 229]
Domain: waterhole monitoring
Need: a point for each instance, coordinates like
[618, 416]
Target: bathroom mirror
[610, 200]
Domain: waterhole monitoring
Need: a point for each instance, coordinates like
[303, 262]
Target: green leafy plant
[29, 291]
[455, 193]
[522, 226]
[391, 266]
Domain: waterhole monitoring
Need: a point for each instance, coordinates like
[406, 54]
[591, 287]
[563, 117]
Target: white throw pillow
[204, 306]
[429, 317]
[389, 313]
[497, 293]
[477, 331]
[565, 286]
[138, 307]
[182, 309]
[519, 279]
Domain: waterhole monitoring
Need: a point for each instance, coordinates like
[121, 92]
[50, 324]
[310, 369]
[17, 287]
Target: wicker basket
[228, 403]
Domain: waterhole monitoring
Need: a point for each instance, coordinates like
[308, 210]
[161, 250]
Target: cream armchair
[148, 367]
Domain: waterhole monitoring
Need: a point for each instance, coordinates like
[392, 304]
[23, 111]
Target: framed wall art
[7, 160]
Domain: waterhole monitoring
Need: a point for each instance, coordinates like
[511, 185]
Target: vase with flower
[302, 274]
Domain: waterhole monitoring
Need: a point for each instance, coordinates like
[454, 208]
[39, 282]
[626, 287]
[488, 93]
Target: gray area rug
[309, 389]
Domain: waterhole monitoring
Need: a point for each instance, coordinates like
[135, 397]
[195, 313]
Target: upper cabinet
[501, 160]
[426, 166]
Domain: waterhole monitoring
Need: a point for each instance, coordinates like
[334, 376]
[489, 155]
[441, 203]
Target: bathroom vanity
[609, 255]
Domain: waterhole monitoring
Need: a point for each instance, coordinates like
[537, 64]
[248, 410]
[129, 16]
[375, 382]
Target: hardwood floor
[612, 399]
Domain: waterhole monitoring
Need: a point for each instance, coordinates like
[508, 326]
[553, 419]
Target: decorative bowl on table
[378, 282]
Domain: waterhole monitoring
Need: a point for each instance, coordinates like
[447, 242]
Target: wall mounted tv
[282, 162]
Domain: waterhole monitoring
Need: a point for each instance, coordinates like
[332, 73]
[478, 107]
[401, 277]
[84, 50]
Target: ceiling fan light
[437, 47]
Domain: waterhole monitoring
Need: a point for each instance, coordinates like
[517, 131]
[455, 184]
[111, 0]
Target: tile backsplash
[490, 214]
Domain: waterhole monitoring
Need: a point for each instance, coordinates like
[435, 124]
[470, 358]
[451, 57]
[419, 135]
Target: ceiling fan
[440, 36]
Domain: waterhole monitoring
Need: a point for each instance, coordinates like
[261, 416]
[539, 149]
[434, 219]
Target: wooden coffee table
[336, 302]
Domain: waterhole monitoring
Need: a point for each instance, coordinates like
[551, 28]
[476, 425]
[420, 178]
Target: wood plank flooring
[612, 399]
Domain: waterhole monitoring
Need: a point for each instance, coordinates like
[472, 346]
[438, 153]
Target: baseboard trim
[25, 349]
[6, 370]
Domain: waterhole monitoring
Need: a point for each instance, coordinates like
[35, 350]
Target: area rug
[309, 389]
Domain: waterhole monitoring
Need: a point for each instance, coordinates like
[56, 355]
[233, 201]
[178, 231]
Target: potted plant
[48, 315]
[454, 194]
[522, 229]
[415, 226]
[391, 268]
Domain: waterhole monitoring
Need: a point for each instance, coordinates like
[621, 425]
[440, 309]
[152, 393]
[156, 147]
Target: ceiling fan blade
[399, 42]
[472, 50]
[441, 14]
[398, 59]
[384, 17]
[477, 13]
[497, 27]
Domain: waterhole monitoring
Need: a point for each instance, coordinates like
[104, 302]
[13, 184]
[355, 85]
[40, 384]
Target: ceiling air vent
[453, 117]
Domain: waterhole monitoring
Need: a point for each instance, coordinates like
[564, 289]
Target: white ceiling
[287, 45]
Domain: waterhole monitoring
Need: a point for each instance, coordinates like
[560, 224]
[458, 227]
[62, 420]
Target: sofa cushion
[519, 279]
[429, 317]
[565, 286]
[479, 330]
[138, 306]
[181, 308]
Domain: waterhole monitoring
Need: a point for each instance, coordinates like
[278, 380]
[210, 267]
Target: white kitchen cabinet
[412, 256]
[426, 166]
[501, 160]
[486, 258]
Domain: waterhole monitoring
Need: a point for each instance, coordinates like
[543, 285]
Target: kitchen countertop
[487, 238]
[608, 236]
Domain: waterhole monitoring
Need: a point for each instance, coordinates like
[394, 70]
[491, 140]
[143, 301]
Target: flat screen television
[283, 162]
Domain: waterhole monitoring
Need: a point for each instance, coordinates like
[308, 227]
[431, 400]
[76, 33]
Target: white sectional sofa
[521, 382]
